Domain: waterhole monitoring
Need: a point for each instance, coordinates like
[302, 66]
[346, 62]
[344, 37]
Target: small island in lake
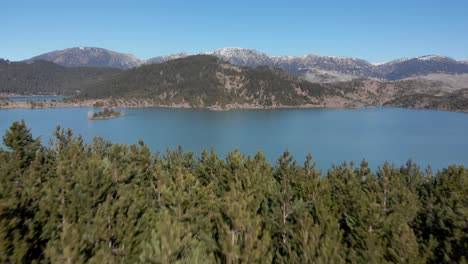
[105, 114]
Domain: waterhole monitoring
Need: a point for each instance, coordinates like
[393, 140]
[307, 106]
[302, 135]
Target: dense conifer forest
[71, 202]
[43, 77]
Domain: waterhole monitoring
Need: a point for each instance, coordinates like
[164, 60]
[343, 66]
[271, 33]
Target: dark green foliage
[73, 202]
[23, 146]
[43, 77]
[106, 113]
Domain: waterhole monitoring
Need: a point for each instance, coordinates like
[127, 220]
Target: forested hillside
[206, 80]
[72, 202]
[43, 77]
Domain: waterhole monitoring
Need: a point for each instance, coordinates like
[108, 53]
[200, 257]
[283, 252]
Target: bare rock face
[90, 57]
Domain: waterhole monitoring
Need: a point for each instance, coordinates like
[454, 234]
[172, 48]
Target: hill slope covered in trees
[43, 77]
[205, 81]
[87, 203]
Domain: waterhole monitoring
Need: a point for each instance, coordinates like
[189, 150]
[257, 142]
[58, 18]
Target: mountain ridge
[310, 65]
[206, 81]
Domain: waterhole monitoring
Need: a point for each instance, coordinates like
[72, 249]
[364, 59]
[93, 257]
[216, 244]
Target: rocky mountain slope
[451, 82]
[90, 57]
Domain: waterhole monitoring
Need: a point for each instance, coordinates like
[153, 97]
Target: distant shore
[148, 103]
[135, 103]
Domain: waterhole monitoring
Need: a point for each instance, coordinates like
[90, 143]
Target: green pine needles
[71, 202]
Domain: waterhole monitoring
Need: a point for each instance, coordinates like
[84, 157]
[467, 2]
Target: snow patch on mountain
[165, 58]
[420, 58]
[315, 66]
[378, 63]
[432, 57]
[242, 56]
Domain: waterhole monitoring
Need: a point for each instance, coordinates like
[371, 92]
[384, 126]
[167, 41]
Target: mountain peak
[379, 63]
[242, 56]
[89, 57]
[161, 59]
[229, 49]
[432, 57]
[422, 65]
[235, 51]
[305, 65]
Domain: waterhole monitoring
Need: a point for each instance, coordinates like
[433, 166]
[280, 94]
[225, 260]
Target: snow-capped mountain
[162, 59]
[242, 57]
[378, 63]
[90, 57]
[297, 65]
[418, 66]
[312, 67]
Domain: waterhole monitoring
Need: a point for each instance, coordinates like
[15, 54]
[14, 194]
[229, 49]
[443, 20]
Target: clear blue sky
[369, 29]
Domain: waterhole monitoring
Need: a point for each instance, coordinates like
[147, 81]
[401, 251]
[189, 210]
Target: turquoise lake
[436, 138]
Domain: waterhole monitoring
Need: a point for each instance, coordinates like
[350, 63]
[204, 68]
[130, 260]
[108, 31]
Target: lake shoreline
[136, 103]
[6, 104]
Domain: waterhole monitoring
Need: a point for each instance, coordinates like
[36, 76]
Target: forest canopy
[73, 202]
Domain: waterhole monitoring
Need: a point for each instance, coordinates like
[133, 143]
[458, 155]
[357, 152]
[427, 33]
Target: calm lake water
[437, 138]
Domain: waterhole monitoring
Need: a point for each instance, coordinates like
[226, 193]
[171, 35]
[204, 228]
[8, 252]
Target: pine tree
[72, 202]
[243, 234]
[20, 140]
[19, 241]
